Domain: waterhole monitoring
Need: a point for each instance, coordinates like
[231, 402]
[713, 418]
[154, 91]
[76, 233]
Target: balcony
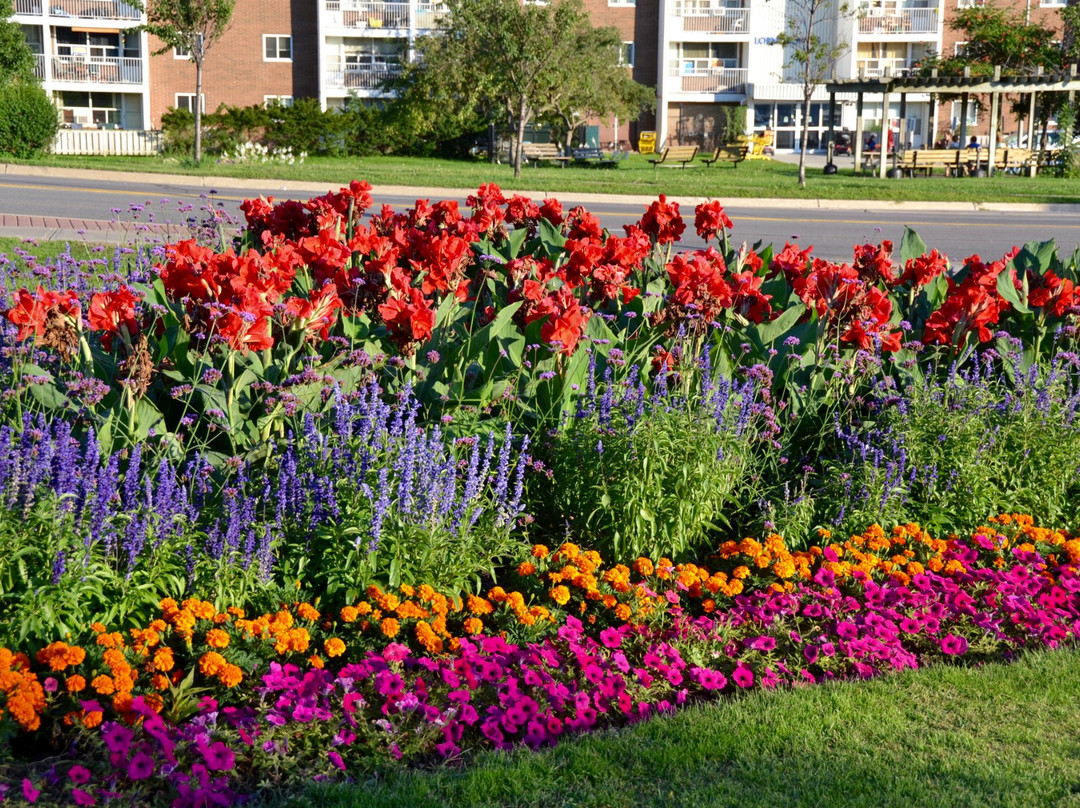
[97, 69]
[39, 65]
[902, 21]
[703, 18]
[374, 15]
[65, 11]
[698, 76]
[880, 68]
[361, 77]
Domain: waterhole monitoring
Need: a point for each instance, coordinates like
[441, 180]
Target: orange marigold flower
[216, 638]
[316, 662]
[103, 685]
[569, 551]
[473, 625]
[622, 611]
[163, 660]
[307, 612]
[479, 606]
[211, 663]
[159, 682]
[349, 614]
[75, 684]
[390, 627]
[644, 566]
[334, 647]
[740, 572]
[231, 675]
[363, 607]
[526, 568]
[98, 628]
[540, 551]
[560, 594]
[91, 720]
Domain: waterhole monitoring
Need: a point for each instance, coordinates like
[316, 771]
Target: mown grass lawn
[1002, 735]
[759, 179]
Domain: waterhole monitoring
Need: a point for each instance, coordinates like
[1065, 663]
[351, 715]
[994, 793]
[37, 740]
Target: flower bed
[613, 645]
[363, 486]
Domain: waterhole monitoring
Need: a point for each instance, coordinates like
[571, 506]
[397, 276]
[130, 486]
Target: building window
[972, 113]
[186, 101]
[622, 2]
[78, 109]
[279, 100]
[277, 48]
[180, 52]
[1052, 3]
[626, 54]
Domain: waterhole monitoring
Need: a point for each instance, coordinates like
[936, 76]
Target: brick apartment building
[700, 55]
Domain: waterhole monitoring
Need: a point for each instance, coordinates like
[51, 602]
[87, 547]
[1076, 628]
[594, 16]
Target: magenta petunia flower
[219, 757]
[953, 645]
[141, 766]
[81, 797]
[742, 676]
[30, 794]
[335, 758]
[79, 774]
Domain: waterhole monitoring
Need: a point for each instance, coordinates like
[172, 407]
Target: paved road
[956, 232]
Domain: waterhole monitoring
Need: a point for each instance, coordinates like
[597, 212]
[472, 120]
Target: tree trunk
[198, 111]
[805, 135]
[522, 109]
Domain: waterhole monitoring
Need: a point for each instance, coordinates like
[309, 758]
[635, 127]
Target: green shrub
[28, 119]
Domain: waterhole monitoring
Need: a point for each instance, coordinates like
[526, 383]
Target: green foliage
[16, 59]
[1070, 152]
[732, 122]
[656, 482]
[28, 119]
[996, 36]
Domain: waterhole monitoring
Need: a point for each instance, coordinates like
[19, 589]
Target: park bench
[536, 152]
[926, 160]
[594, 156]
[676, 154]
[733, 153]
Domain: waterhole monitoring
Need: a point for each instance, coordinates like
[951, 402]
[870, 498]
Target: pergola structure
[966, 85]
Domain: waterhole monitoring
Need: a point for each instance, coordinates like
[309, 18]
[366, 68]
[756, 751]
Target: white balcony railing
[698, 18]
[360, 78]
[79, 9]
[39, 66]
[879, 68]
[696, 78]
[97, 69]
[375, 16]
[900, 21]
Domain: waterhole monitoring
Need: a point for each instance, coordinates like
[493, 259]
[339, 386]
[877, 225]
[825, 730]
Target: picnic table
[593, 156]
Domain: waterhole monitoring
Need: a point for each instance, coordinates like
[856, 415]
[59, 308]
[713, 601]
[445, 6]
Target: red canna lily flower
[113, 313]
[710, 219]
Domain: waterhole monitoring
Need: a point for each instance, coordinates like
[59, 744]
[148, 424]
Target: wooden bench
[926, 160]
[676, 154]
[731, 153]
[589, 155]
[536, 152]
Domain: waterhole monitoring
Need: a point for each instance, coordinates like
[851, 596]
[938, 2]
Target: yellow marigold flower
[390, 627]
[363, 608]
[526, 568]
[644, 566]
[540, 551]
[425, 592]
[407, 590]
[622, 611]
[427, 638]
[334, 647]
[740, 572]
[75, 684]
[784, 569]
[914, 568]
[389, 602]
[103, 685]
[560, 594]
[734, 588]
[216, 638]
[473, 625]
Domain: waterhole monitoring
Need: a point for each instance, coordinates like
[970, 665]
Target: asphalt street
[831, 227]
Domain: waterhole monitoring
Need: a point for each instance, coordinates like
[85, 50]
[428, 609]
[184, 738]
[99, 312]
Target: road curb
[289, 186]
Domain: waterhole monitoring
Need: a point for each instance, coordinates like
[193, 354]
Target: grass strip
[751, 179]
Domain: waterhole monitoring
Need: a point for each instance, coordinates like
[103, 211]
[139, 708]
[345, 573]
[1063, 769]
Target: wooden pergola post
[858, 130]
[883, 147]
[995, 105]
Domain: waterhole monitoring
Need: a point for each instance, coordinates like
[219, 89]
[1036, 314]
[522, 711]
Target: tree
[594, 84]
[500, 55]
[192, 26]
[811, 53]
[16, 59]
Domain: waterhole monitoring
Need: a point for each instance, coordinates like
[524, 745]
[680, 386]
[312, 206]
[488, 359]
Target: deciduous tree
[16, 59]
[192, 26]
